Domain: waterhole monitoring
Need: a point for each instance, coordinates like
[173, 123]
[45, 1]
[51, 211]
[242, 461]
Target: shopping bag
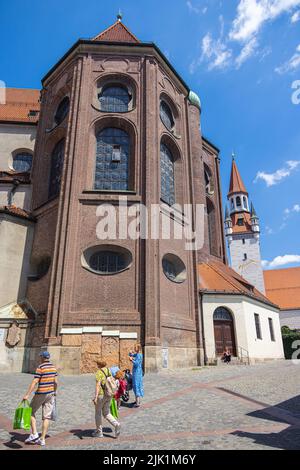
[114, 408]
[54, 410]
[22, 417]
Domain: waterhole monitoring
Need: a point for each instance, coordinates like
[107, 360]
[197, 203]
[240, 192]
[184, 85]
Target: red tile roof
[283, 287]
[16, 211]
[9, 176]
[216, 277]
[19, 102]
[236, 183]
[118, 32]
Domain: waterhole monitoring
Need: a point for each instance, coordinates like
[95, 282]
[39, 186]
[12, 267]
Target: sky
[242, 57]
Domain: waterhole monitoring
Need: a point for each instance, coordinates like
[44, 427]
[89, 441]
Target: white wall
[14, 137]
[21, 197]
[251, 269]
[242, 311]
[15, 248]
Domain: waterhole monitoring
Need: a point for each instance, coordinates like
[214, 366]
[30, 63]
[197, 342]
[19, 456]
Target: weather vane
[233, 155]
[119, 15]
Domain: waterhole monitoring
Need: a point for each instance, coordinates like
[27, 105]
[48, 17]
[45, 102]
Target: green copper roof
[194, 99]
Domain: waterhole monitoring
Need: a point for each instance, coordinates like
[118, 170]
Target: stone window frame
[91, 250]
[164, 97]
[14, 153]
[63, 93]
[115, 79]
[208, 172]
[124, 124]
[61, 102]
[179, 275]
[169, 142]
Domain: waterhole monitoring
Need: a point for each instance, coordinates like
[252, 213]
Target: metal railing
[243, 353]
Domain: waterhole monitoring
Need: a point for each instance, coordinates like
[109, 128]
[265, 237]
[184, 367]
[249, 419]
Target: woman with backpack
[106, 387]
[136, 358]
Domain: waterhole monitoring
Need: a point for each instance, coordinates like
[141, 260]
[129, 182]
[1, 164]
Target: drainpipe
[202, 328]
[10, 194]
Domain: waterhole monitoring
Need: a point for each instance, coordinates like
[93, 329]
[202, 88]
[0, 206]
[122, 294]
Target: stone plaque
[13, 335]
[165, 358]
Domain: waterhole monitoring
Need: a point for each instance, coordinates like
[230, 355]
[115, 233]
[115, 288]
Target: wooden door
[224, 337]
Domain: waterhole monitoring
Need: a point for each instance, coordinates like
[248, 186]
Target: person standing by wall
[102, 401]
[136, 358]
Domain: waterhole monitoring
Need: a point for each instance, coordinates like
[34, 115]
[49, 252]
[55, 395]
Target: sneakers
[97, 433]
[32, 438]
[117, 430]
[40, 442]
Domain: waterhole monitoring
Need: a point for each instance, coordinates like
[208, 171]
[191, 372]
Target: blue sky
[242, 58]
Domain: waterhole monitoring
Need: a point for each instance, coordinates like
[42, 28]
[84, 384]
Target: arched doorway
[224, 331]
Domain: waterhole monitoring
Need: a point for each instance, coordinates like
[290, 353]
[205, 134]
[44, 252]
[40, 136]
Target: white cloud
[292, 64]
[215, 52]
[288, 212]
[274, 178]
[192, 8]
[281, 261]
[295, 17]
[247, 51]
[252, 14]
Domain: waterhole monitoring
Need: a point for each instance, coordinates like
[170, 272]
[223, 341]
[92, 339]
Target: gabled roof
[236, 183]
[283, 287]
[117, 32]
[217, 277]
[19, 103]
[246, 227]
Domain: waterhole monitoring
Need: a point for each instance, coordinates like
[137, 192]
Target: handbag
[114, 409]
[22, 418]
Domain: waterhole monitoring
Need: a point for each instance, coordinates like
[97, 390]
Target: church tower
[242, 231]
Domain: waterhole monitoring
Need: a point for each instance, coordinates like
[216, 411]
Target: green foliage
[288, 338]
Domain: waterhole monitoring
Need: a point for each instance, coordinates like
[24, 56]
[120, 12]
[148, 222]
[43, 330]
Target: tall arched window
[212, 228]
[112, 160]
[114, 99]
[167, 175]
[166, 115]
[62, 110]
[57, 159]
[22, 161]
[238, 201]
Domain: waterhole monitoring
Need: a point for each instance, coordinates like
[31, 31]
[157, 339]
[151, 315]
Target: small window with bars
[257, 326]
[271, 328]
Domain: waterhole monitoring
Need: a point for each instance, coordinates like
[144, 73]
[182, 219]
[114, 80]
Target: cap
[45, 354]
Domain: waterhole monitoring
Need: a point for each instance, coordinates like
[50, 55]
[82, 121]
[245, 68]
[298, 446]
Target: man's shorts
[46, 401]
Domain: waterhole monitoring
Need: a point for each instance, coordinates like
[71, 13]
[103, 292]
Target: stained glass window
[108, 262]
[114, 99]
[57, 159]
[166, 115]
[112, 173]
[167, 175]
[221, 313]
[22, 162]
[62, 110]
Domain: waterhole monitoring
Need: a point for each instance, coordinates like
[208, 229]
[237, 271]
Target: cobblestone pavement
[226, 407]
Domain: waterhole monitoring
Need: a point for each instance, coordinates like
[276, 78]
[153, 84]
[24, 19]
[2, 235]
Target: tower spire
[119, 15]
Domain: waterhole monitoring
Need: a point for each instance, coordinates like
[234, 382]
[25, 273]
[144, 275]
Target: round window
[62, 110]
[174, 268]
[22, 162]
[166, 115]
[107, 259]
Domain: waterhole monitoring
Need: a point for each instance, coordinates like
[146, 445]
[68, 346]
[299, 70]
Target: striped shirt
[46, 374]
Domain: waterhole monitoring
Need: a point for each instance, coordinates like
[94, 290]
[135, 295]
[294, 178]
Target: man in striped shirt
[45, 378]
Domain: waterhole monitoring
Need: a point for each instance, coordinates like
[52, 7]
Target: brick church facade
[116, 120]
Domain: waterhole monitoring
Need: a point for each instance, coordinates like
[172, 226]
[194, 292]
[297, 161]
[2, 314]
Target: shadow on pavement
[285, 412]
[82, 433]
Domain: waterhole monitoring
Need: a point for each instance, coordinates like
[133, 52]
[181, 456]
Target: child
[122, 386]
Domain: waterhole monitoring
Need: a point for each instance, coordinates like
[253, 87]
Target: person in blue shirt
[136, 358]
[114, 370]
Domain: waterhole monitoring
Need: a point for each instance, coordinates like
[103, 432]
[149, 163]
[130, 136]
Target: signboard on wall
[2, 334]
[165, 358]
